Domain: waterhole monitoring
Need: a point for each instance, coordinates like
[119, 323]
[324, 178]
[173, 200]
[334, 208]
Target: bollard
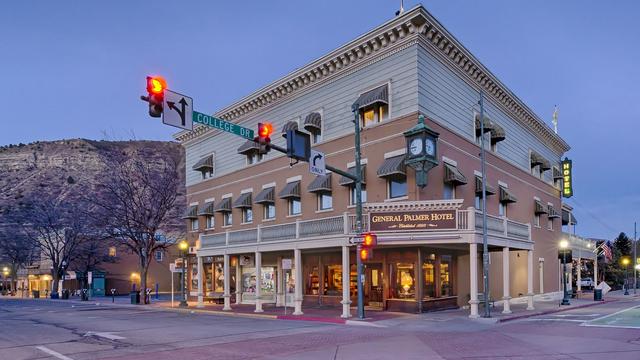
[113, 295]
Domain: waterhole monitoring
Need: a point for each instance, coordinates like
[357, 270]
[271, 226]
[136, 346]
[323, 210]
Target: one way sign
[177, 110]
[317, 164]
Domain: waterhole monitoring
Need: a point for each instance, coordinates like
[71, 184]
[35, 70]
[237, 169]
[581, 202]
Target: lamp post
[564, 245]
[5, 272]
[183, 284]
[625, 262]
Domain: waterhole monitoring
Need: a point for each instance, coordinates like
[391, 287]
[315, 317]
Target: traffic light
[264, 137]
[369, 241]
[155, 87]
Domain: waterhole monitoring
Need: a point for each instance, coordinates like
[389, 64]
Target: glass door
[373, 285]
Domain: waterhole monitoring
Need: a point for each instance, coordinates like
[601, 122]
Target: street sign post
[317, 163]
[223, 125]
[177, 110]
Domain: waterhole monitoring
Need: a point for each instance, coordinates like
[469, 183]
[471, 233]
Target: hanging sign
[567, 178]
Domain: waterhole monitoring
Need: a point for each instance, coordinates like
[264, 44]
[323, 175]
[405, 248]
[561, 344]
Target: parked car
[586, 283]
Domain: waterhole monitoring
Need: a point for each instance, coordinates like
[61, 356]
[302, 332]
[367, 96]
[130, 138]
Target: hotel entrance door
[373, 285]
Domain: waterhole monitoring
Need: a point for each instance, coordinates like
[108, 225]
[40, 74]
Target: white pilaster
[258, 282]
[579, 271]
[226, 283]
[506, 306]
[297, 259]
[200, 283]
[346, 294]
[473, 280]
[530, 280]
[238, 282]
[595, 272]
[541, 271]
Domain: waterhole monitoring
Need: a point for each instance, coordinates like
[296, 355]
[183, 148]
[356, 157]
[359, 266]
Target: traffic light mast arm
[329, 167]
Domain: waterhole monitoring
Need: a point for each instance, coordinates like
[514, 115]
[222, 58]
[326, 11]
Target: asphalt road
[62, 330]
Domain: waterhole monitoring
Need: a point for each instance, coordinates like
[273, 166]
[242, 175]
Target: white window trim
[294, 178]
[395, 153]
[353, 163]
[226, 196]
[247, 190]
[449, 161]
[269, 185]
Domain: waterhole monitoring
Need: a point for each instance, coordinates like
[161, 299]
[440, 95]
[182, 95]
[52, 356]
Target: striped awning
[393, 166]
[540, 208]
[266, 196]
[345, 181]
[490, 190]
[191, 213]
[537, 159]
[553, 214]
[322, 183]
[248, 147]
[243, 201]
[497, 133]
[290, 125]
[313, 122]
[377, 95]
[488, 124]
[291, 190]
[206, 209]
[568, 218]
[204, 164]
[223, 206]
[506, 196]
[453, 175]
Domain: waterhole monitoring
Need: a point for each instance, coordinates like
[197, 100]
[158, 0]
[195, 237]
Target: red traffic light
[265, 130]
[369, 239]
[156, 84]
[366, 254]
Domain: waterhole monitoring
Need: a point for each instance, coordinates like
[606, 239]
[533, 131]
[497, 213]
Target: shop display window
[313, 285]
[333, 280]
[218, 277]
[429, 274]
[208, 279]
[405, 282]
[268, 280]
[446, 264]
[248, 280]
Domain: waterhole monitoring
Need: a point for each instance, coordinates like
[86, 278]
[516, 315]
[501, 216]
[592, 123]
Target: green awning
[322, 183]
[393, 166]
[345, 181]
[506, 196]
[191, 213]
[207, 209]
[453, 175]
[489, 190]
[223, 206]
[313, 122]
[204, 164]
[266, 196]
[243, 201]
[377, 95]
[291, 190]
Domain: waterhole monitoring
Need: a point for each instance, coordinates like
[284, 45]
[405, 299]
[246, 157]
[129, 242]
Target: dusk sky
[77, 68]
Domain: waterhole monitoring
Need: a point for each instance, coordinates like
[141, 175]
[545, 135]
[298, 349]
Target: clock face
[415, 147]
[430, 147]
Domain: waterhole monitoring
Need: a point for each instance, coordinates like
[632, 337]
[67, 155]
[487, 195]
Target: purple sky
[76, 69]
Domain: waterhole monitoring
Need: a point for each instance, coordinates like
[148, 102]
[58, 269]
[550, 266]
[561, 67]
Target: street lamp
[5, 272]
[183, 284]
[625, 262]
[564, 245]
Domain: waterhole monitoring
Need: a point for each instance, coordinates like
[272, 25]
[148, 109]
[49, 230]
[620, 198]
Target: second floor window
[449, 192]
[227, 218]
[502, 209]
[247, 215]
[352, 194]
[295, 206]
[325, 201]
[211, 223]
[195, 224]
[478, 202]
[269, 211]
[397, 187]
[536, 220]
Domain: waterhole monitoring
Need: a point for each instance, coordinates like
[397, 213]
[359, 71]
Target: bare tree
[16, 249]
[138, 205]
[91, 253]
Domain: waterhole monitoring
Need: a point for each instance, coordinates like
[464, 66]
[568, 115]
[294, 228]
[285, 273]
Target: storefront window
[268, 280]
[208, 278]
[248, 280]
[446, 264]
[333, 280]
[405, 284]
[313, 285]
[218, 277]
[428, 268]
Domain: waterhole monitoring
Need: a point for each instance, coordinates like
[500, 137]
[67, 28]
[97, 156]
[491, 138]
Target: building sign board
[427, 220]
[567, 178]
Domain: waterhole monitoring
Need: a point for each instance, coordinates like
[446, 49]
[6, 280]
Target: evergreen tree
[623, 244]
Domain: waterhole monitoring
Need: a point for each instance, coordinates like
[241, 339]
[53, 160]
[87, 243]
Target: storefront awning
[553, 214]
[497, 133]
[568, 218]
[488, 124]
[248, 147]
[489, 189]
[291, 190]
[321, 183]
[393, 166]
[266, 196]
[380, 94]
[290, 125]
[540, 208]
[191, 213]
[243, 201]
[224, 205]
[204, 164]
[453, 175]
[345, 181]
[506, 196]
[313, 122]
[207, 209]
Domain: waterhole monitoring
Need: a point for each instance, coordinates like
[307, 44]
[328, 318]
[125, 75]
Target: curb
[519, 317]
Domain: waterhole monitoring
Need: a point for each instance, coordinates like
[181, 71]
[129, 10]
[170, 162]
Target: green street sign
[223, 125]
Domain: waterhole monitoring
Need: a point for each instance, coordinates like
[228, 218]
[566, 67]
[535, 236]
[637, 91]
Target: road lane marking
[106, 335]
[53, 353]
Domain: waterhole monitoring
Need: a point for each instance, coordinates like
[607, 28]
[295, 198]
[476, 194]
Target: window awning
[537, 159]
[290, 125]
[453, 175]
[489, 189]
[322, 183]
[291, 190]
[345, 181]
[380, 94]
[313, 122]
[553, 214]
[206, 209]
[497, 133]
[223, 206]
[248, 147]
[243, 201]
[204, 164]
[488, 124]
[266, 196]
[393, 166]
[506, 196]
[191, 213]
[568, 218]
[540, 208]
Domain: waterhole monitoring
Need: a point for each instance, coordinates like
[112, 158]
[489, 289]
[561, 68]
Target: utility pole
[485, 245]
[635, 258]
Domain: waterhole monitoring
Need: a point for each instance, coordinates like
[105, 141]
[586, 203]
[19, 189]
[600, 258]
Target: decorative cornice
[415, 23]
[414, 205]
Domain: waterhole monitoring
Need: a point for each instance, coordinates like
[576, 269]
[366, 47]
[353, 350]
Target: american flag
[606, 250]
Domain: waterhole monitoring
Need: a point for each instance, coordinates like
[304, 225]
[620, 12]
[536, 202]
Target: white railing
[326, 226]
[502, 226]
[517, 230]
[243, 236]
[213, 240]
[278, 232]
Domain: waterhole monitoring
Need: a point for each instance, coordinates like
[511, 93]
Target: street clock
[422, 150]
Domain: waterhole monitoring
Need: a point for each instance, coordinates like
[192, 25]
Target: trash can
[36, 294]
[135, 297]
[54, 295]
[597, 294]
[65, 294]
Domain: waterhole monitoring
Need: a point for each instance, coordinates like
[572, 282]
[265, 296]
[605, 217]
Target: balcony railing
[502, 226]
